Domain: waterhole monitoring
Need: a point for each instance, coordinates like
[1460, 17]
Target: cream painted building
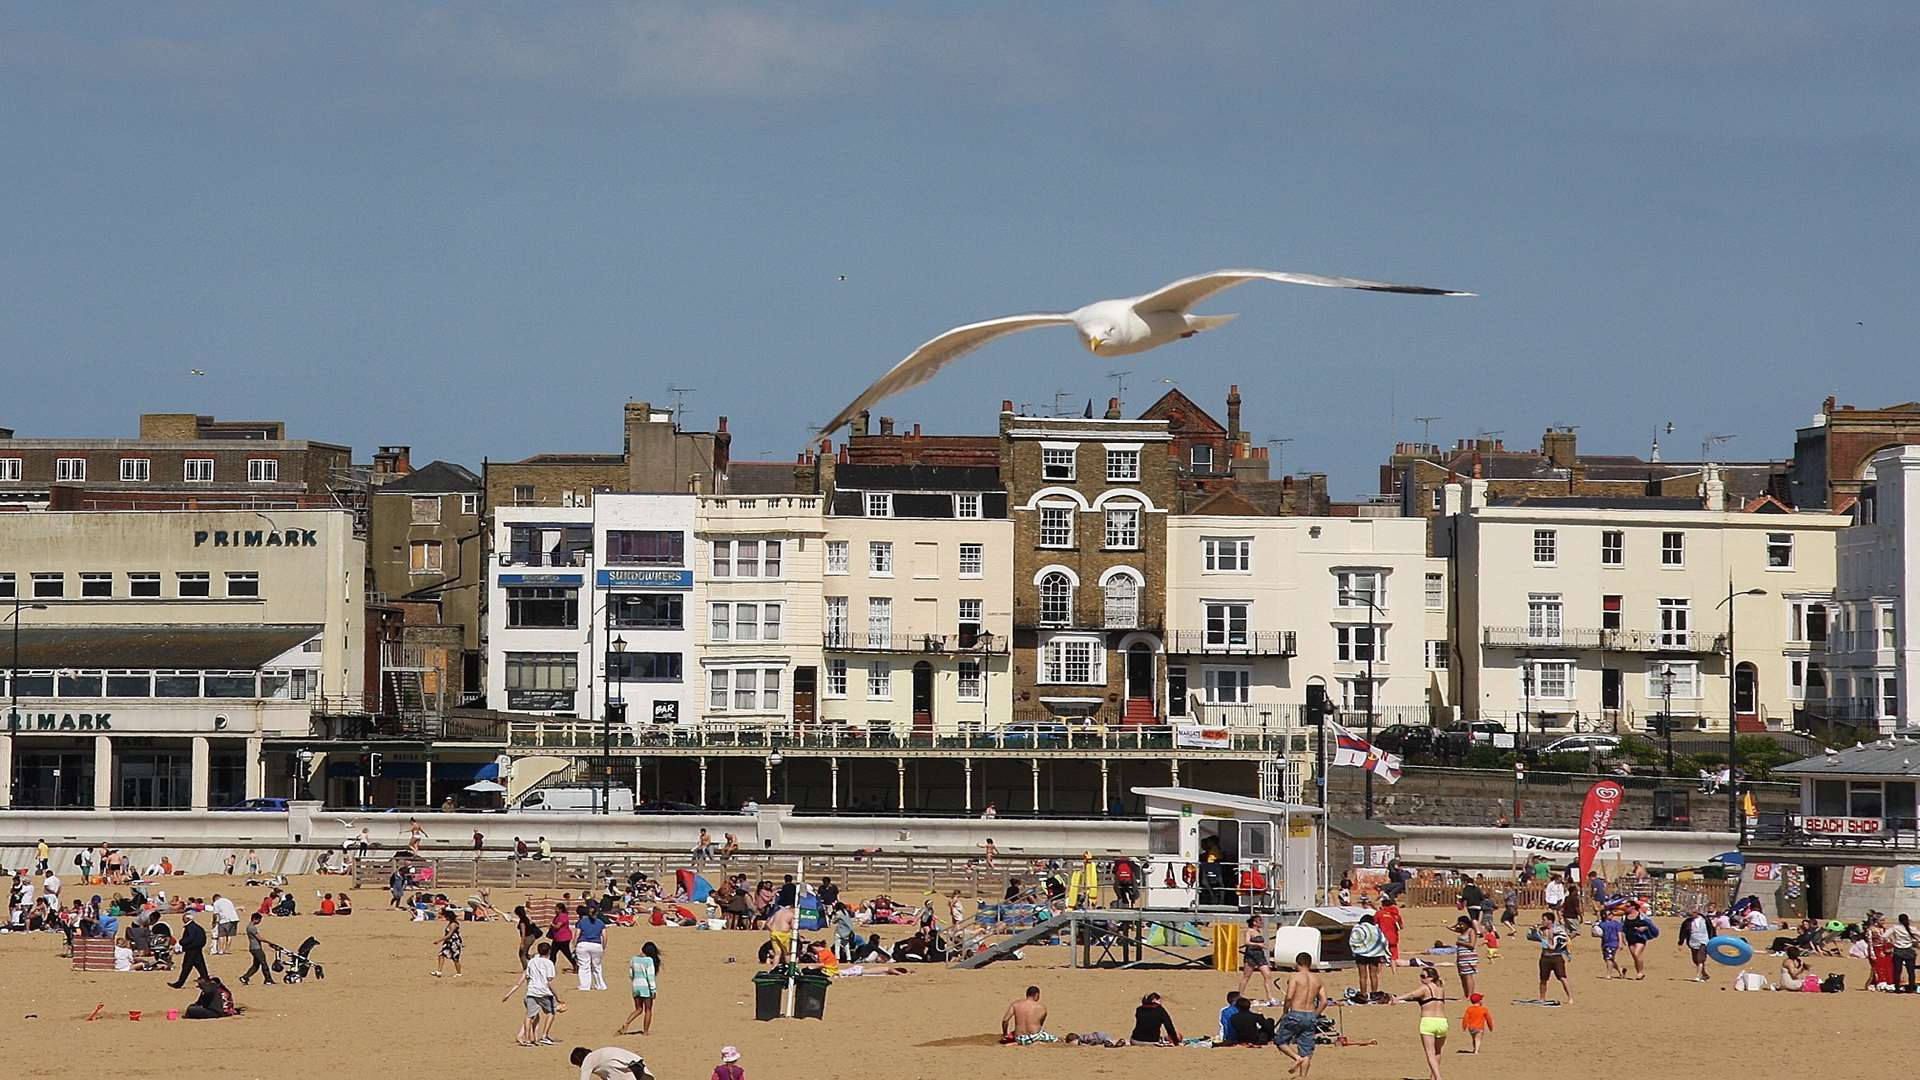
[1871, 663]
[1257, 607]
[161, 651]
[918, 605]
[757, 602]
[1593, 613]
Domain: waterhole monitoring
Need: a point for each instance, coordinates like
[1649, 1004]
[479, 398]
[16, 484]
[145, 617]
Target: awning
[242, 647]
[489, 771]
[486, 787]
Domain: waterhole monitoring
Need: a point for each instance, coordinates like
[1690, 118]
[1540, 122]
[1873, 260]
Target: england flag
[1351, 749]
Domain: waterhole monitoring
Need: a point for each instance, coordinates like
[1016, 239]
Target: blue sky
[477, 228]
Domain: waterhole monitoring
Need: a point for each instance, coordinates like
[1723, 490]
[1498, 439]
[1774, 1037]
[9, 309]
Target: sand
[380, 1013]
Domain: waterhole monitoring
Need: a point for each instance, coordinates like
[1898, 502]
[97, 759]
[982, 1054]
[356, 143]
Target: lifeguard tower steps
[1113, 937]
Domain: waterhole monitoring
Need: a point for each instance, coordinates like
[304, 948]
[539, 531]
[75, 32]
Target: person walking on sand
[226, 923]
[529, 933]
[253, 861]
[193, 951]
[1638, 930]
[1695, 931]
[590, 948]
[1254, 957]
[450, 943]
[644, 972]
[1553, 953]
[415, 834]
[1432, 999]
[780, 930]
[1025, 1021]
[397, 887]
[729, 1067]
[1478, 1022]
[538, 978]
[1466, 954]
[1298, 1030]
[257, 952]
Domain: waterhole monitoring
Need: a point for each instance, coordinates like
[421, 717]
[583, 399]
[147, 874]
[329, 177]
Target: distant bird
[843, 277]
[195, 371]
[1108, 327]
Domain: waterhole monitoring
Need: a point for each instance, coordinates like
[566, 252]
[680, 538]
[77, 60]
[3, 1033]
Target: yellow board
[1226, 947]
[1083, 886]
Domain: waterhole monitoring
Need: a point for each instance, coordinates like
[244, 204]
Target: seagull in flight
[1120, 327]
[195, 371]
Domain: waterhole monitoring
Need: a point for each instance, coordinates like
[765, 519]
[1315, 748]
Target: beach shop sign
[1558, 845]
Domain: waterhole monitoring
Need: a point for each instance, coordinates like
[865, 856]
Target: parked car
[263, 806]
[1477, 731]
[573, 799]
[1581, 744]
[1408, 740]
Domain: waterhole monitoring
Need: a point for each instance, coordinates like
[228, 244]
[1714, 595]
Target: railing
[1280, 643]
[564, 559]
[1027, 614]
[1835, 833]
[850, 641]
[561, 733]
[343, 719]
[1610, 640]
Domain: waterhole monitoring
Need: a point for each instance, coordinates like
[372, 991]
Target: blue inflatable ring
[1731, 951]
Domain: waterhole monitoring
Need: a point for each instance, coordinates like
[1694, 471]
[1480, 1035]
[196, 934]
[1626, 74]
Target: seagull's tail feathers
[1197, 323]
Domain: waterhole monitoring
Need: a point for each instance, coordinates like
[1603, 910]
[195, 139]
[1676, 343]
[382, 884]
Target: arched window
[1056, 600]
[1123, 603]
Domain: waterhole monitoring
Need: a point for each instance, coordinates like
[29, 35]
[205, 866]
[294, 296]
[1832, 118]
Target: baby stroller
[295, 966]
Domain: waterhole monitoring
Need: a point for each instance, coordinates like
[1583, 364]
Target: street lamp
[1526, 699]
[616, 703]
[13, 673]
[1666, 710]
[1733, 703]
[1373, 649]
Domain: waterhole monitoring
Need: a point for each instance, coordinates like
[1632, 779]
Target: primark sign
[24, 722]
[255, 538]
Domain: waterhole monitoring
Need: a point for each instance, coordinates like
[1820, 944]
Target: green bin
[767, 990]
[810, 997]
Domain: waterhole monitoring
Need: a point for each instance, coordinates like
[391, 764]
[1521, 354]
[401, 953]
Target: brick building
[1210, 457]
[177, 459]
[425, 556]
[656, 456]
[1833, 456]
[1089, 503]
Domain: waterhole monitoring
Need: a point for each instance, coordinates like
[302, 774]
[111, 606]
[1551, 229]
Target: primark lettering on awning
[254, 538]
[23, 722]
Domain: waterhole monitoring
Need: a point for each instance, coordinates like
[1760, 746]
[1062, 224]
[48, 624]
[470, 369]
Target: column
[768, 762]
[201, 780]
[6, 771]
[900, 766]
[703, 781]
[1035, 762]
[833, 792]
[1105, 801]
[968, 764]
[256, 781]
[1174, 764]
[429, 763]
[103, 772]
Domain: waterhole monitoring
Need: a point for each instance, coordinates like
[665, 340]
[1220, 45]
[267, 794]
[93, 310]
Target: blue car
[265, 806]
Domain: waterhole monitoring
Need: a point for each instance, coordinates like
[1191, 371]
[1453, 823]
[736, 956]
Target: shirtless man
[1306, 1000]
[1026, 1020]
[780, 929]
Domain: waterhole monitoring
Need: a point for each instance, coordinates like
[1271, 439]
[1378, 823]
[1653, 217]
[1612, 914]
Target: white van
[573, 799]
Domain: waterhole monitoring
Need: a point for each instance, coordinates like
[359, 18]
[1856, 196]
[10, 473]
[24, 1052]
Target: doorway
[923, 698]
[1746, 690]
[805, 692]
[1610, 688]
[1140, 684]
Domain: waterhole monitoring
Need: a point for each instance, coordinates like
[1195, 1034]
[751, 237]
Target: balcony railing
[978, 644]
[1586, 637]
[1835, 833]
[1116, 617]
[1246, 643]
[1026, 737]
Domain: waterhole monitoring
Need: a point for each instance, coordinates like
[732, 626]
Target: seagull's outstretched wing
[1187, 292]
[924, 362]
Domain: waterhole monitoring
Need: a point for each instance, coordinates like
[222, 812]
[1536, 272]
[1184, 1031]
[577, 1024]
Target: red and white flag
[1351, 749]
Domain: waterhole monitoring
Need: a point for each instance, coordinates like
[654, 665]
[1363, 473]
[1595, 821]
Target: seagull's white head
[1104, 325]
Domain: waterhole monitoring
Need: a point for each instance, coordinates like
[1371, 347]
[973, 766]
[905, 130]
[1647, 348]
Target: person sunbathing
[1094, 1038]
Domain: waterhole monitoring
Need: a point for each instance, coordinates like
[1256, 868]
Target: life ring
[1728, 950]
[1189, 874]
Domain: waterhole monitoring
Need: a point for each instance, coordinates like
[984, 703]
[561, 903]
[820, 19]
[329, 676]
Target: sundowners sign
[1596, 820]
[1557, 845]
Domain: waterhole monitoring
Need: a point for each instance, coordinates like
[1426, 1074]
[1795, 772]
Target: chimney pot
[916, 431]
[1006, 405]
[1113, 408]
[723, 423]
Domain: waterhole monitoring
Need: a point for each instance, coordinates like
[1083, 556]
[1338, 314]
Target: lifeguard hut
[1211, 851]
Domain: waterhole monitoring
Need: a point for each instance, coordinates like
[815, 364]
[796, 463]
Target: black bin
[767, 990]
[810, 997]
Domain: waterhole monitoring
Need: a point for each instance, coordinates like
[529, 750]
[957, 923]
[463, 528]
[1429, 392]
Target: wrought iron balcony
[1280, 643]
[1606, 640]
[981, 644]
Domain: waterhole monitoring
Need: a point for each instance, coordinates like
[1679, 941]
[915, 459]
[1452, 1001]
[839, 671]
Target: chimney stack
[886, 425]
[860, 421]
[1113, 408]
[916, 431]
[723, 424]
[1558, 445]
[1233, 413]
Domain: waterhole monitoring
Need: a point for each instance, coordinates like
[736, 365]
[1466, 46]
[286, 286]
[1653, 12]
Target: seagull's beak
[1094, 343]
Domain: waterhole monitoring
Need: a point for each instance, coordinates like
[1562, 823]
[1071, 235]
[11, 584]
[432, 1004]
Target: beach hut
[1208, 850]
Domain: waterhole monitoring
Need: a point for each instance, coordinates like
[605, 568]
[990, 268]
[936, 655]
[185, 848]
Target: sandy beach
[380, 1009]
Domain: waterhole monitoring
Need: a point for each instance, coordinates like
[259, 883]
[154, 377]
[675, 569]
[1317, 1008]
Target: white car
[1580, 744]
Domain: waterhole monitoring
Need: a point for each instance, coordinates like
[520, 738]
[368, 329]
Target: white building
[1871, 664]
[1258, 607]
[571, 585]
[919, 599]
[759, 601]
[161, 653]
[1601, 612]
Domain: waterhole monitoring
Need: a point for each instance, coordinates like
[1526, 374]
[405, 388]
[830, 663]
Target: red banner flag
[1596, 819]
